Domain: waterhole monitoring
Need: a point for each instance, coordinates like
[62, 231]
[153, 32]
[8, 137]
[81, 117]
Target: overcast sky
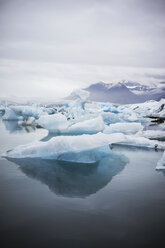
[49, 48]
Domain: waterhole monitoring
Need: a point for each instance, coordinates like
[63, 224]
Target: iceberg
[152, 134]
[58, 123]
[123, 127]
[110, 118]
[54, 123]
[2, 109]
[11, 115]
[161, 163]
[22, 112]
[76, 109]
[27, 111]
[64, 144]
[90, 126]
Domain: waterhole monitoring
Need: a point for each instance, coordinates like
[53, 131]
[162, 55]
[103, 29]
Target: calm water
[117, 202]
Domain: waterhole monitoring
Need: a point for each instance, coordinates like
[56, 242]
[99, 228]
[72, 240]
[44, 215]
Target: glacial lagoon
[118, 201]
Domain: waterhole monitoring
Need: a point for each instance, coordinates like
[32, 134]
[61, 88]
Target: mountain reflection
[73, 179]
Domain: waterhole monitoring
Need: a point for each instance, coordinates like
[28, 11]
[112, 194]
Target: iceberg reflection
[13, 127]
[73, 179]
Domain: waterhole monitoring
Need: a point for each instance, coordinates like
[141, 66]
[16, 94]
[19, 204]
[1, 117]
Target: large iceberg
[59, 145]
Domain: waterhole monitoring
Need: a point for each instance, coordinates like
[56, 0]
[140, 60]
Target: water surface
[117, 202]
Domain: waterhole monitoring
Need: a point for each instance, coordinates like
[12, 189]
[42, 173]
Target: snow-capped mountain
[125, 92]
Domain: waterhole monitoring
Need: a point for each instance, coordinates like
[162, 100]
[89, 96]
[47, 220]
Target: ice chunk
[91, 126]
[10, 114]
[137, 141]
[76, 109]
[107, 107]
[25, 111]
[109, 117]
[161, 163]
[123, 127]
[152, 134]
[2, 108]
[54, 123]
[58, 123]
[63, 144]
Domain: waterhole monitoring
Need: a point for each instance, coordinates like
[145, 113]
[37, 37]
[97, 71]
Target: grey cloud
[102, 33]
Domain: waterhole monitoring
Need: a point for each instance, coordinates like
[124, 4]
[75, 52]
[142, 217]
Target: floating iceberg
[90, 126]
[11, 115]
[76, 109]
[22, 112]
[161, 163]
[65, 144]
[107, 107]
[61, 144]
[54, 123]
[110, 118]
[2, 109]
[26, 111]
[152, 134]
[123, 127]
[58, 123]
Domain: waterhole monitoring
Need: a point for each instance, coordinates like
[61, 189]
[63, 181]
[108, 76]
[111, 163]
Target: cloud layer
[77, 35]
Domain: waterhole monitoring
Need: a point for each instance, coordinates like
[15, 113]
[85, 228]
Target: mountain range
[125, 92]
